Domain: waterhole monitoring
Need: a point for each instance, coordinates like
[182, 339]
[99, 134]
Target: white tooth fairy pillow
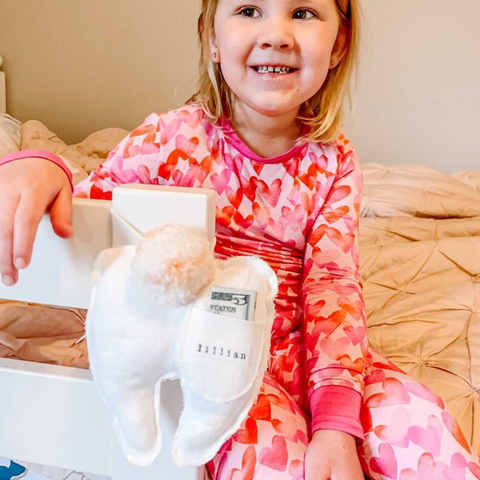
[149, 320]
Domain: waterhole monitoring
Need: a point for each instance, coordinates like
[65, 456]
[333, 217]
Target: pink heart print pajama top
[297, 211]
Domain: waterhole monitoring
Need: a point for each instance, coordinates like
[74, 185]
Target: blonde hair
[323, 112]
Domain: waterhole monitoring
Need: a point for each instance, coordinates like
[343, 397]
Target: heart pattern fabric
[298, 212]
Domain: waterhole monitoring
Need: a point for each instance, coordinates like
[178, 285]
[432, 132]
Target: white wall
[418, 96]
[79, 66]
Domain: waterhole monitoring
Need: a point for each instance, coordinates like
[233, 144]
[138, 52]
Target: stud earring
[332, 63]
[214, 55]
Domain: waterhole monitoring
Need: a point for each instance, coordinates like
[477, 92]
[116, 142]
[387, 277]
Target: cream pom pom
[174, 262]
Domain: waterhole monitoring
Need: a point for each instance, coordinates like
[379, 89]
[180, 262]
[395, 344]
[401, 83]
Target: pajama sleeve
[335, 320]
[134, 160]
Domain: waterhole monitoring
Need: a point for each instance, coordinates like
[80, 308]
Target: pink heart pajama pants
[409, 432]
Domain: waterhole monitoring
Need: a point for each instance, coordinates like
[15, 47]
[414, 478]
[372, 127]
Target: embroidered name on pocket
[219, 351]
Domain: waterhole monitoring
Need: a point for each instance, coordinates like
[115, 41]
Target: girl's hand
[28, 188]
[332, 455]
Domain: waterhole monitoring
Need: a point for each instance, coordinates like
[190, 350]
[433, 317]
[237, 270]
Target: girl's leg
[270, 443]
[287, 366]
[409, 432]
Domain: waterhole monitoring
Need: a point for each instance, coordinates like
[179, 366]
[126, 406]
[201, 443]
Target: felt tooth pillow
[167, 309]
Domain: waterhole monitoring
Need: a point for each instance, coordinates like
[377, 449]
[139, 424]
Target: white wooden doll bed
[52, 415]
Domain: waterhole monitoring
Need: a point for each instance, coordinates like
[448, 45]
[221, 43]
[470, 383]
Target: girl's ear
[340, 46]
[215, 55]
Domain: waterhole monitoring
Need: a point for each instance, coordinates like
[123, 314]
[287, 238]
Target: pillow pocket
[220, 356]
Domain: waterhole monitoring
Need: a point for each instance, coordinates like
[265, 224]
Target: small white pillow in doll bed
[10, 134]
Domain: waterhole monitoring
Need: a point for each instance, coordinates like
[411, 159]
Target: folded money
[233, 302]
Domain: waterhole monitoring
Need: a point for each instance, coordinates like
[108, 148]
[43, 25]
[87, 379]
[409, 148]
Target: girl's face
[275, 54]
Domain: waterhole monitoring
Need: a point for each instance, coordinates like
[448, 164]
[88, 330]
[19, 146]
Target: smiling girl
[263, 131]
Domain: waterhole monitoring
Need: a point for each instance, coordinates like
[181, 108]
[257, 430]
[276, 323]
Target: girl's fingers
[27, 187]
[61, 213]
[7, 269]
[29, 213]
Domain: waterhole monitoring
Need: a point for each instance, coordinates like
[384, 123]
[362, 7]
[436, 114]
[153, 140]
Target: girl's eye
[249, 12]
[303, 14]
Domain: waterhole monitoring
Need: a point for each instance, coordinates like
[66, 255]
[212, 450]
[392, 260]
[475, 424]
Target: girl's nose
[275, 35]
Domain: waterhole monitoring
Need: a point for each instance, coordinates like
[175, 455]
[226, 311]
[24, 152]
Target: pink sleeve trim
[11, 157]
[336, 408]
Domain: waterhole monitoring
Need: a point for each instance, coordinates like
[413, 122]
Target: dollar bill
[233, 302]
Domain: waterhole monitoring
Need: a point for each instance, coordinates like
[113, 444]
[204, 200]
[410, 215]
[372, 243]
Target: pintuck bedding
[420, 265]
[419, 261]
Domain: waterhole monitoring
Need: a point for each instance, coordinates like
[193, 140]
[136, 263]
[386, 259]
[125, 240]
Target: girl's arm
[30, 186]
[136, 159]
[335, 319]
[131, 161]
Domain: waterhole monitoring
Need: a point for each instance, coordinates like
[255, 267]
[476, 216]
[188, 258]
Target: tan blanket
[420, 265]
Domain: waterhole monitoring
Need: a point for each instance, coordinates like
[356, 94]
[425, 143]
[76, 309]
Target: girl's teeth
[281, 70]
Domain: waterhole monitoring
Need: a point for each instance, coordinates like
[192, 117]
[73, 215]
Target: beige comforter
[420, 264]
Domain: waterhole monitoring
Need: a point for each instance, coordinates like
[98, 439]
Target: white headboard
[3, 96]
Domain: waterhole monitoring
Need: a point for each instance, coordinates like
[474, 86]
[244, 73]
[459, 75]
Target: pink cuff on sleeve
[336, 408]
[11, 157]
